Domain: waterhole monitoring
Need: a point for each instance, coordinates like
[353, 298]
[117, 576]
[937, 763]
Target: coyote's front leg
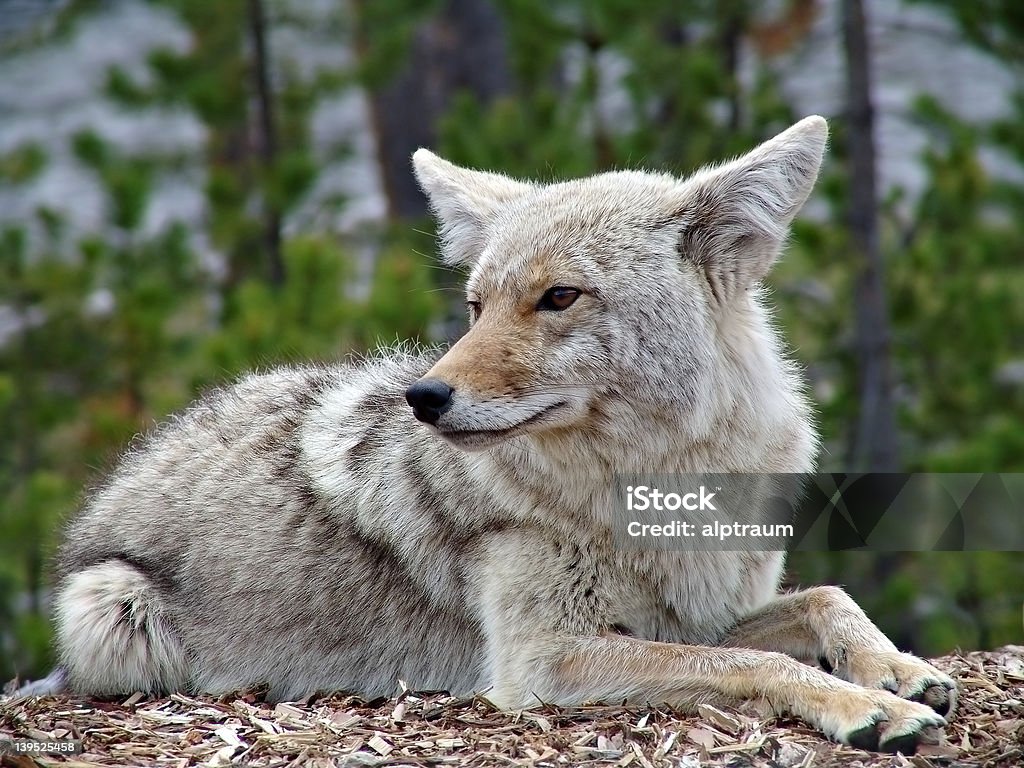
[545, 610]
[572, 670]
[824, 623]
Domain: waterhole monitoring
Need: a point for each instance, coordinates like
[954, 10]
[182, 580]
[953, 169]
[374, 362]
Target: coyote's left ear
[736, 216]
[464, 202]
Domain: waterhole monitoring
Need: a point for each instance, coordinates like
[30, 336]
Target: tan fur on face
[494, 358]
[502, 351]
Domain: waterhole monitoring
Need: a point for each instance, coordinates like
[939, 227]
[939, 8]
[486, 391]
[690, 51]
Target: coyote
[447, 519]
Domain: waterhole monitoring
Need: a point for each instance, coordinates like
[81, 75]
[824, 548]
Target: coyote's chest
[694, 597]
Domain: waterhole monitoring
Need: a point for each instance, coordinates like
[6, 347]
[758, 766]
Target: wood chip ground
[438, 730]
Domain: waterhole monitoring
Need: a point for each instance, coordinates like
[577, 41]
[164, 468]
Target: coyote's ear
[736, 216]
[464, 201]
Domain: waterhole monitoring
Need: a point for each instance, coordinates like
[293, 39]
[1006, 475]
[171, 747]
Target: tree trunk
[874, 444]
[731, 22]
[462, 48]
[268, 137]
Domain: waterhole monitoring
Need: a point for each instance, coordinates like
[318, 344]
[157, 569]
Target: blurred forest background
[191, 188]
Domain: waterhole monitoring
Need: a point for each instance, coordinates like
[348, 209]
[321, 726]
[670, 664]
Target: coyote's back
[301, 529]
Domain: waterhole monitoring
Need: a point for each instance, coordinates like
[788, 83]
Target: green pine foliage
[119, 326]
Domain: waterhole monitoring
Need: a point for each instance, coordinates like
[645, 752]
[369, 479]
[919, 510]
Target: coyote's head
[621, 292]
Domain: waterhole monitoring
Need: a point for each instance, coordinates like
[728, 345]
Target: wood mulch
[438, 730]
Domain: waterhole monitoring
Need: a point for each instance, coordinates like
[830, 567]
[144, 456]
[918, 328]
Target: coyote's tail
[113, 634]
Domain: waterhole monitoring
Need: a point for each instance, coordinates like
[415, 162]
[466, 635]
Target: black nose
[429, 399]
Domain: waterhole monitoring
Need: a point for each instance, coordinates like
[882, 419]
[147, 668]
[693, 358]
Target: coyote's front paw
[907, 676]
[878, 720]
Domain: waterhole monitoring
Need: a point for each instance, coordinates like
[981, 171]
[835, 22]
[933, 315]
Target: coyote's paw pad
[907, 676]
[880, 721]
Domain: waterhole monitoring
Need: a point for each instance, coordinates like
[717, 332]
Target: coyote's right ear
[735, 217]
[464, 202]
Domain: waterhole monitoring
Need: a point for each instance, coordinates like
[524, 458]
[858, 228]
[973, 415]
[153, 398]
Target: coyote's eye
[558, 298]
[474, 309]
